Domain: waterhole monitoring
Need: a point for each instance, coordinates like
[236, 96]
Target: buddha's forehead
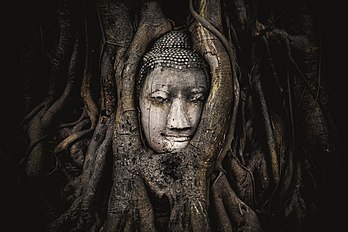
[171, 77]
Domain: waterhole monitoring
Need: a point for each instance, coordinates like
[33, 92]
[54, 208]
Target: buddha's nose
[178, 116]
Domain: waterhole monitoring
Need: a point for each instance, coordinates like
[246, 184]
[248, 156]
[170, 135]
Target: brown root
[71, 139]
[42, 120]
[241, 180]
[240, 215]
[272, 146]
[220, 101]
[64, 47]
[74, 73]
[88, 197]
[39, 125]
[223, 222]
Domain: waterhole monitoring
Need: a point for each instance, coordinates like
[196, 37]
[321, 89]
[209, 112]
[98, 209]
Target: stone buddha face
[171, 102]
[174, 84]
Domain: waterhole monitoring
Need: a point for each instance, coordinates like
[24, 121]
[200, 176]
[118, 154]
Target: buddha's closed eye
[196, 98]
[160, 97]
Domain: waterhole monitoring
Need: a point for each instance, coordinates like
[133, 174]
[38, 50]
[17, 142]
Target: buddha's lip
[178, 137]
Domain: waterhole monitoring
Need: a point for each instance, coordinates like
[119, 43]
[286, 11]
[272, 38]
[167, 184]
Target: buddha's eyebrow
[159, 90]
[160, 87]
[199, 89]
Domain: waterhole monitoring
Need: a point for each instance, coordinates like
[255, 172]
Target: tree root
[234, 213]
[274, 159]
[44, 119]
[66, 143]
[221, 60]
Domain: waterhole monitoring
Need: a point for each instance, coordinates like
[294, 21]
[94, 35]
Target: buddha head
[174, 85]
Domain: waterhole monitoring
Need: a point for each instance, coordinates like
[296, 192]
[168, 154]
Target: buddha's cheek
[194, 111]
[153, 119]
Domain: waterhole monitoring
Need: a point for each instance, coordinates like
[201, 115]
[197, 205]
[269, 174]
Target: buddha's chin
[174, 146]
